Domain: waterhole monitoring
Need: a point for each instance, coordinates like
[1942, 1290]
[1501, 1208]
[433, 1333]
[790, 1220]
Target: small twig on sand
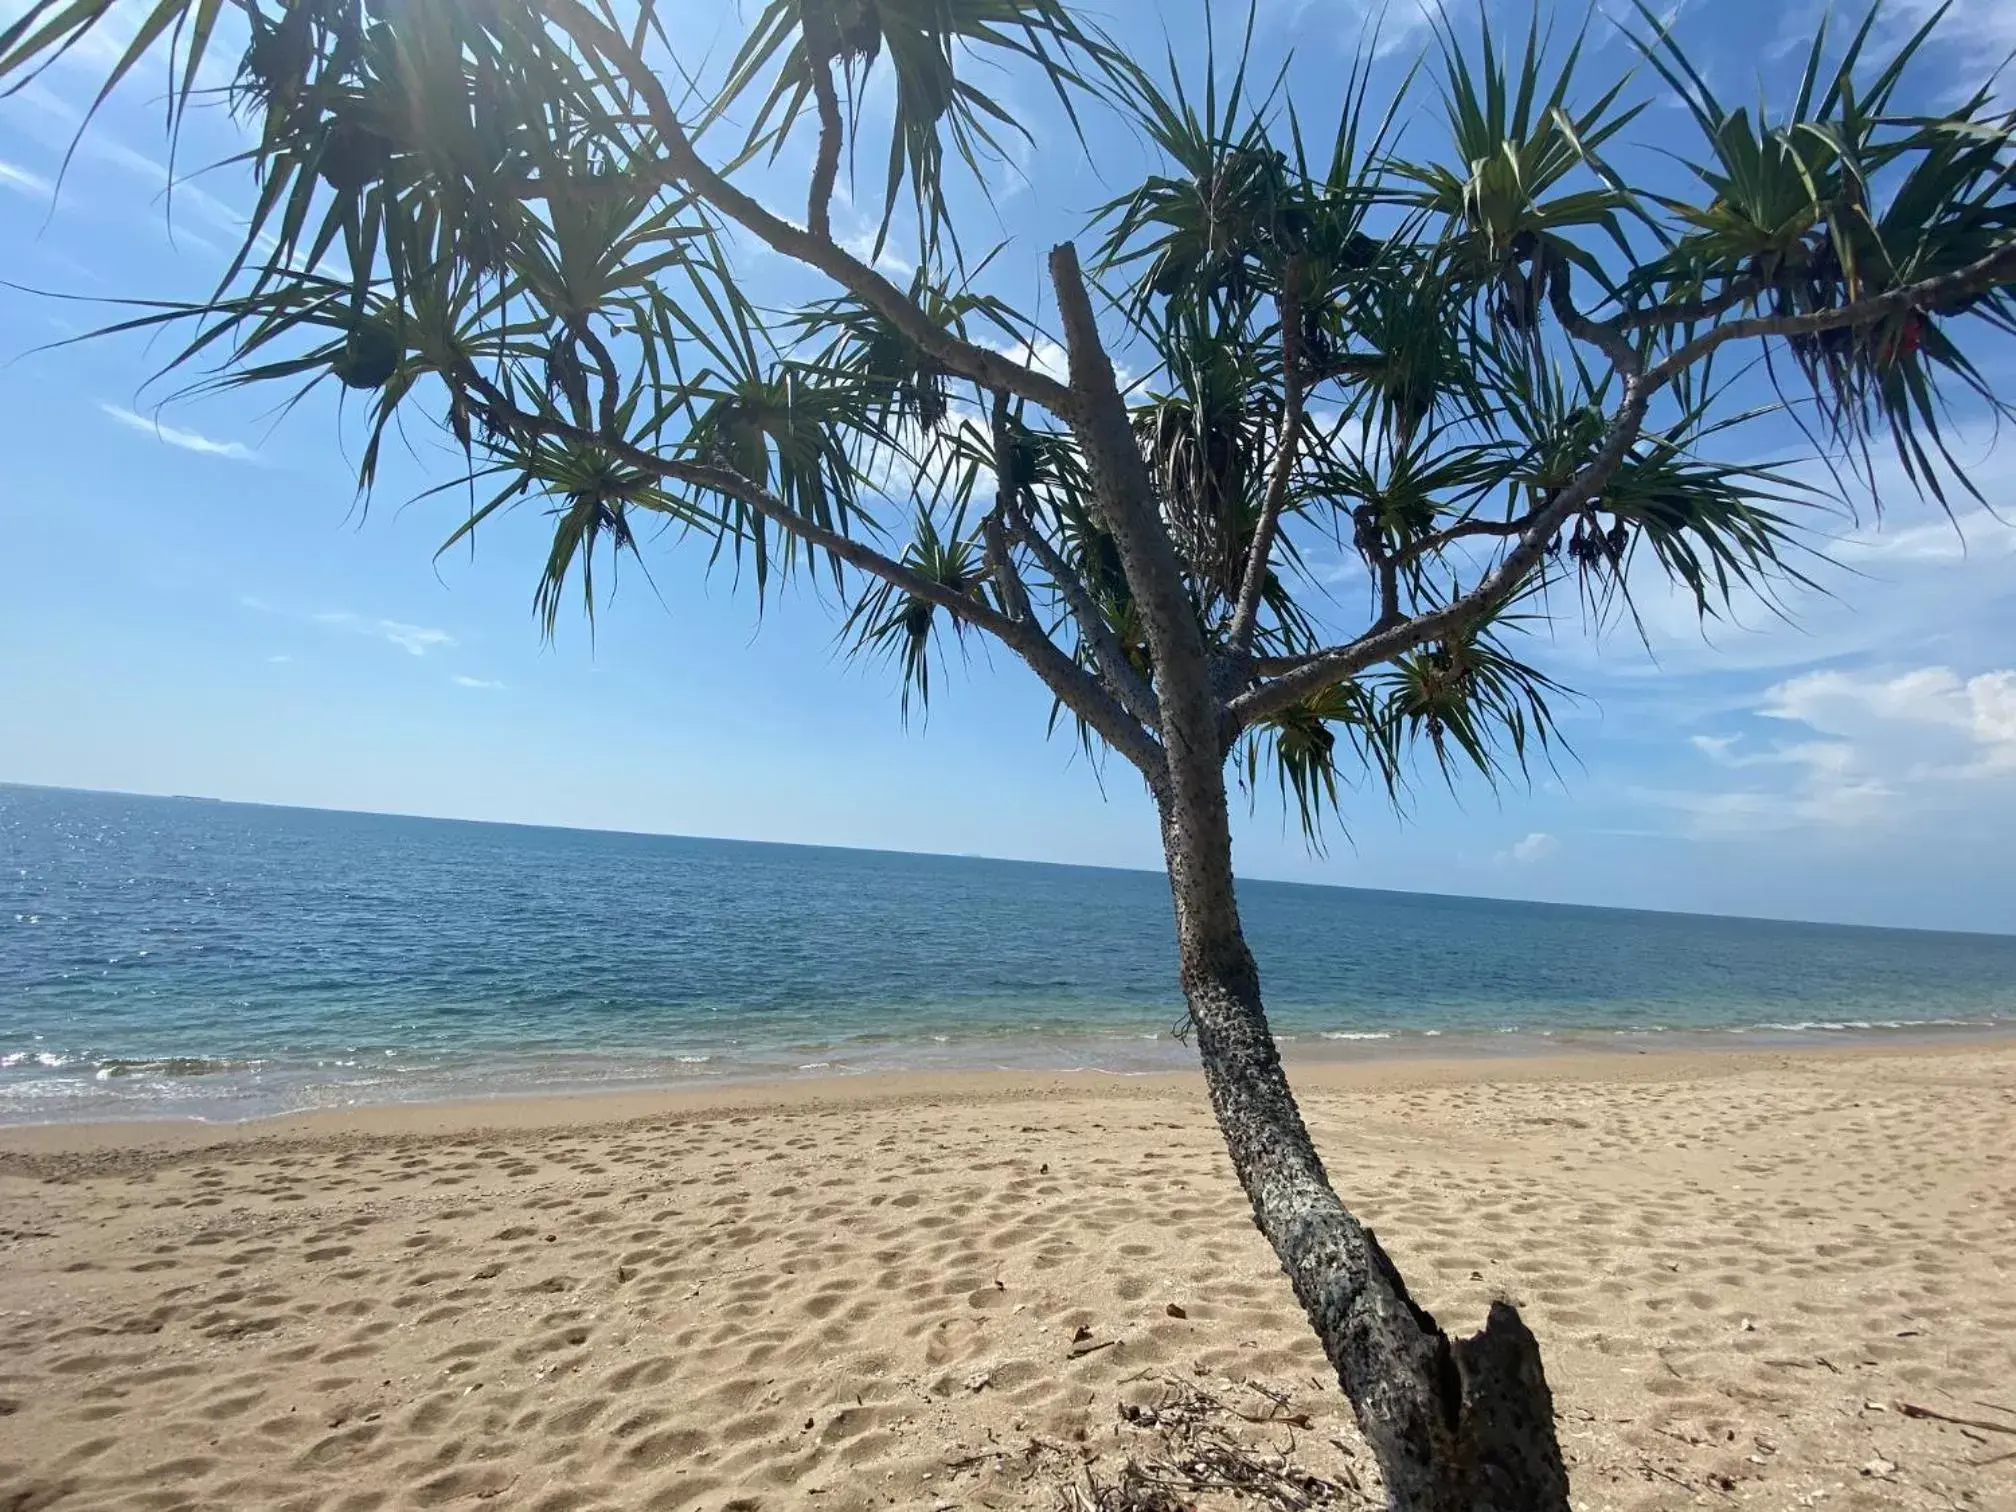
[1913, 1410]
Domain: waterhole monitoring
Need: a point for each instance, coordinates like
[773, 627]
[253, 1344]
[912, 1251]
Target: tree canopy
[1442, 333]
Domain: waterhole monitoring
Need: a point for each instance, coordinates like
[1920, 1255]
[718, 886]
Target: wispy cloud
[57, 122]
[858, 226]
[187, 440]
[476, 682]
[414, 640]
[1977, 37]
[23, 182]
[1889, 591]
[99, 48]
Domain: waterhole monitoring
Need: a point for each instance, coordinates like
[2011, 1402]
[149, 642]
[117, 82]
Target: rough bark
[1458, 1425]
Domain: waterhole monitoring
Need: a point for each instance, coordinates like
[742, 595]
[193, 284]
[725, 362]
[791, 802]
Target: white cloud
[23, 182]
[60, 125]
[187, 440]
[1051, 360]
[888, 261]
[857, 227]
[1402, 27]
[1387, 26]
[1535, 847]
[476, 682]
[414, 640]
[1047, 357]
[1972, 718]
[1876, 751]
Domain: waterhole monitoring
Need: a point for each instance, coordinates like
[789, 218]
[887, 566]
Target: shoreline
[1365, 1068]
[1760, 1278]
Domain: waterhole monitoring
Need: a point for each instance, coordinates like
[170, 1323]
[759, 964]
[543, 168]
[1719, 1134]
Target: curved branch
[1691, 312]
[1997, 267]
[826, 169]
[1428, 545]
[1246, 614]
[989, 369]
[1073, 686]
[1606, 338]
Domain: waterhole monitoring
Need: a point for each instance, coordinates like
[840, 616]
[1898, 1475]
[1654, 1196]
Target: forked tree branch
[1382, 643]
[1624, 357]
[994, 527]
[1001, 563]
[1194, 726]
[605, 367]
[1107, 654]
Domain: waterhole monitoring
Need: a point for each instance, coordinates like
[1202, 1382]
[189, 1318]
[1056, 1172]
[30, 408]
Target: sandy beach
[1760, 1279]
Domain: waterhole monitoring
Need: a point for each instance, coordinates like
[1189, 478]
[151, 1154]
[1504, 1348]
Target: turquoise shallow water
[172, 957]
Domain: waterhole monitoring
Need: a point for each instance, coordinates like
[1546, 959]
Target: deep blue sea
[165, 957]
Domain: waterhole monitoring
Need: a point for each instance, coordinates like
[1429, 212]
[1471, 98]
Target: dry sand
[1742, 1268]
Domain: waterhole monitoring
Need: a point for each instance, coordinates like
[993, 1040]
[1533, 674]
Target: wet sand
[940, 1292]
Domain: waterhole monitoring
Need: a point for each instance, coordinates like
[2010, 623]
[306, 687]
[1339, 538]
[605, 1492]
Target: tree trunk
[1458, 1425]
[1461, 1425]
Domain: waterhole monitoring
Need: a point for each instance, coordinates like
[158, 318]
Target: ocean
[168, 957]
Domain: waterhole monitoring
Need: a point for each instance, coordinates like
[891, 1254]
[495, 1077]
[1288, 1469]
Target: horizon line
[871, 850]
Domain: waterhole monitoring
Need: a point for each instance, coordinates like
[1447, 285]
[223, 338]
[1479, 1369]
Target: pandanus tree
[1455, 346]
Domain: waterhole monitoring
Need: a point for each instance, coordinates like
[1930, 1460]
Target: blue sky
[194, 603]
